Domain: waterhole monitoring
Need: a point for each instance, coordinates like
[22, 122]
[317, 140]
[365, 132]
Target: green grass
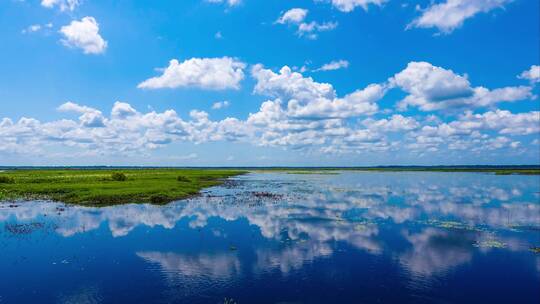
[109, 187]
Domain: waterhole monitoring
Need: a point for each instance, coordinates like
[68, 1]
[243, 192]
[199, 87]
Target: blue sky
[337, 82]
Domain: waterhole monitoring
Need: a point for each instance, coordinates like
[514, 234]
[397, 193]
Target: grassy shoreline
[104, 188]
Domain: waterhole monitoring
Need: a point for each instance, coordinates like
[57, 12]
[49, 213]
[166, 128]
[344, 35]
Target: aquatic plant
[229, 301]
[489, 244]
[452, 225]
[20, 229]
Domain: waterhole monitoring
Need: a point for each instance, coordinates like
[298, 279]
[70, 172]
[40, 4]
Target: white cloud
[220, 105]
[288, 84]
[36, 28]
[207, 73]
[393, 124]
[473, 132]
[294, 16]
[84, 34]
[230, 3]
[123, 110]
[532, 74]
[334, 65]
[32, 28]
[297, 16]
[433, 88]
[305, 115]
[90, 117]
[349, 5]
[360, 102]
[502, 121]
[449, 15]
[311, 29]
[63, 5]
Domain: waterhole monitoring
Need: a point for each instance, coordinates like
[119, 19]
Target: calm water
[283, 238]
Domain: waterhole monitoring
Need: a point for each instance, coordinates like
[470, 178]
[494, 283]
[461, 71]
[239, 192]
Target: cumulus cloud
[310, 99]
[220, 105]
[393, 124]
[305, 115]
[297, 16]
[349, 5]
[90, 117]
[294, 16]
[206, 73]
[449, 15]
[84, 34]
[471, 131]
[503, 121]
[433, 88]
[532, 74]
[334, 65]
[63, 5]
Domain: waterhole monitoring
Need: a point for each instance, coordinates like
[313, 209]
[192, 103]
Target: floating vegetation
[535, 249]
[489, 244]
[229, 301]
[268, 195]
[452, 225]
[337, 189]
[524, 228]
[360, 227]
[23, 229]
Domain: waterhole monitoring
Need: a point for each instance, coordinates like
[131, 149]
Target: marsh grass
[6, 180]
[101, 187]
[183, 179]
[118, 176]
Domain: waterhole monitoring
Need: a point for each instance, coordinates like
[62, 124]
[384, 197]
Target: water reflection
[435, 250]
[430, 223]
[217, 266]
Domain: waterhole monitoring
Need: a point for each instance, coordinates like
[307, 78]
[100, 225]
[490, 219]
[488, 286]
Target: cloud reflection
[310, 213]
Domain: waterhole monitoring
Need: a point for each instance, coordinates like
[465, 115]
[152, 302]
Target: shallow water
[283, 238]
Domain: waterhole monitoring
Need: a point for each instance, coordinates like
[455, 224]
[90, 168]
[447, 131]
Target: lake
[352, 237]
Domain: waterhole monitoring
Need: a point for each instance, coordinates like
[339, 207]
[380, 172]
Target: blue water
[355, 237]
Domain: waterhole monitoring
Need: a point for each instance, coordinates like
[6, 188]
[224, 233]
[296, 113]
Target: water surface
[354, 237]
